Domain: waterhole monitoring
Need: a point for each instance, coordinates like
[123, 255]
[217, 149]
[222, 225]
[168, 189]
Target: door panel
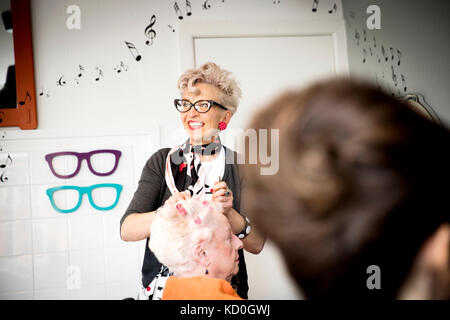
[266, 66]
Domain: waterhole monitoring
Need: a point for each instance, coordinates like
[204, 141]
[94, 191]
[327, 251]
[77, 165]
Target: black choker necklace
[205, 149]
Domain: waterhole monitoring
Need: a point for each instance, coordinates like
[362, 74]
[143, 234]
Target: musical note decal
[374, 42]
[378, 58]
[364, 35]
[394, 76]
[61, 82]
[177, 10]
[384, 53]
[392, 53]
[3, 177]
[206, 5]
[4, 165]
[274, 2]
[188, 8]
[2, 136]
[315, 5]
[121, 67]
[399, 56]
[357, 37]
[134, 52]
[171, 27]
[81, 71]
[371, 52]
[333, 9]
[404, 83]
[27, 96]
[42, 93]
[364, 55]
[149, 32]
[100, 73]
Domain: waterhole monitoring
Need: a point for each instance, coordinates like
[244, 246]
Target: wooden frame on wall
[24, 115]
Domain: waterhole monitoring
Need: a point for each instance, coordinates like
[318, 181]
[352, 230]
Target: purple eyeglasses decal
[80, 157]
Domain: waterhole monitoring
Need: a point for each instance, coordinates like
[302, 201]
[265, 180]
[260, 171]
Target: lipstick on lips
[195, 125]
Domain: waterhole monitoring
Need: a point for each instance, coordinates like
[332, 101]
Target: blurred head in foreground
[193, 238]
[357, 203]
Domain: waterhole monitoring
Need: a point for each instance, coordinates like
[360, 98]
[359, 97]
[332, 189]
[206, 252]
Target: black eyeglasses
[201, 106]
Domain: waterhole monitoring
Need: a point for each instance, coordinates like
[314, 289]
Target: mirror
[7, 67]
[17, 88]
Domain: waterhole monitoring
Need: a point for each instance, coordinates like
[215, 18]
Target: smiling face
[222, 251]
[202, 128]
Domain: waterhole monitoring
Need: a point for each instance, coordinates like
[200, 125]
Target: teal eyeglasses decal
[85, 190]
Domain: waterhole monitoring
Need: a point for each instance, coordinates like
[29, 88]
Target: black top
[152, 192]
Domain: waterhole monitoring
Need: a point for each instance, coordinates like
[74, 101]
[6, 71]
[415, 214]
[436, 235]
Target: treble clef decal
[206, 5]
[61, 82]
[149, 32]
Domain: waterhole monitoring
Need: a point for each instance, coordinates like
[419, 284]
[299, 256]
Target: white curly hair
[176, 230]
[222, 79]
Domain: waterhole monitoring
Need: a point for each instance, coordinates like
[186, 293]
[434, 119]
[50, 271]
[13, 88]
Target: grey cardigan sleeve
[148, 193]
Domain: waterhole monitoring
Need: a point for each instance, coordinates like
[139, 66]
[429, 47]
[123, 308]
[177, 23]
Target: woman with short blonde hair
[200, 168]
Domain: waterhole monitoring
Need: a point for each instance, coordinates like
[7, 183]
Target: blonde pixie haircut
[177, 229]
[211, 73]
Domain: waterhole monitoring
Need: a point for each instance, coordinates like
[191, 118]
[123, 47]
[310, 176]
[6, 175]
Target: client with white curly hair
[200, 249]
[201, 167]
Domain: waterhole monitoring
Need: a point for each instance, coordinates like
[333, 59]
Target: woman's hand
[223, 196]
[184, 195]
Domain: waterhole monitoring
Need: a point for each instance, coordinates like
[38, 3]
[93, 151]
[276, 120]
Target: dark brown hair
[358, 185]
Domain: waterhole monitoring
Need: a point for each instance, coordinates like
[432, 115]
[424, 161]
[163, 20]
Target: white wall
[419, 30]
[129, 104]
[145, 92]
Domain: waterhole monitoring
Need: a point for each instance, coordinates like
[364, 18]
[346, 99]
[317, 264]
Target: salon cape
[198, 288]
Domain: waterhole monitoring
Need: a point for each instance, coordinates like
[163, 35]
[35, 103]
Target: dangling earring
[206, 271]
[222, 125]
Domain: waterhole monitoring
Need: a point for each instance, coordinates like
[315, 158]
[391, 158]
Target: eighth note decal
[3, 166]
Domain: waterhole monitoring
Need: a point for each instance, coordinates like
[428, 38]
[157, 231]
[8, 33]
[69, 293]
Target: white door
[265, 64]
